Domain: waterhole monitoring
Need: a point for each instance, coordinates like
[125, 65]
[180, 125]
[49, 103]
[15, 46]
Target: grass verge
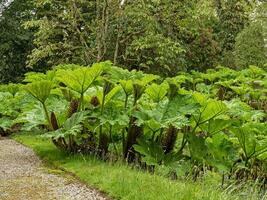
[119, 181]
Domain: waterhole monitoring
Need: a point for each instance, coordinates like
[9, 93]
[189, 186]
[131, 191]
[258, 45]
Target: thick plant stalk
[47, 117]
[72, 144]
[168, 142]
[134, 132]
[54, 122]
[81, 103]
[60, 142]
[103, 144]
[103, 137]
[124, 129]
[73, 107]
[221, 93]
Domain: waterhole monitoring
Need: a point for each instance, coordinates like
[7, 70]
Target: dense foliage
[158, 36]
[182, 126]
[164, 103]
[15, 41]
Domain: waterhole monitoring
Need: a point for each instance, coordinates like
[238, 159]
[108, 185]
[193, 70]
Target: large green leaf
[72, 126]
[40, 90]
[215, 126]
[198, 148]
[152, 152]
[6, 123]
[112, 115]
[222, 152]
[32, 116]
[31, 77]
[210, 110]
[12, 88]
[80, 79]
[251, 143]
[157, 92]
[75, 119]
[168, 112]
[127, 86]
[242, 111]
[108, 96]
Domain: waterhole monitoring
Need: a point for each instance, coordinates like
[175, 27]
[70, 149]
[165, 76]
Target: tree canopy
[156, 36]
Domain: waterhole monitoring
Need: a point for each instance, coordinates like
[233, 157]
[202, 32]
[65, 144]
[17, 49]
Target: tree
[204, 50]
[250, 47]
[59, 36]
[233, 17]
[161, 37]
[137, 34]
[15, 41]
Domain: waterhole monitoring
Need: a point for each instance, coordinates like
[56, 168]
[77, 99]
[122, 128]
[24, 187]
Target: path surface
[22, 177]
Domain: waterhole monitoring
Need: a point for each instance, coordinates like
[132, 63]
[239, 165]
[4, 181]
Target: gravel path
[22, 177]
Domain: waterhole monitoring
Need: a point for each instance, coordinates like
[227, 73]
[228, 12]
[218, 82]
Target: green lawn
[120, 181]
